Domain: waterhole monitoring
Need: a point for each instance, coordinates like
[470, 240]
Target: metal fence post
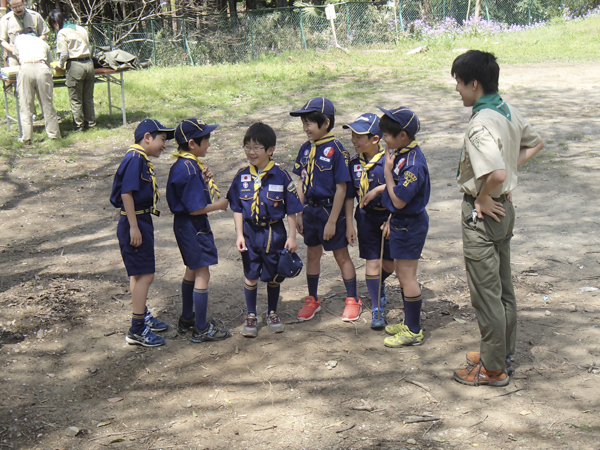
[487, 11]
[153, 40]
[187, 46]
[302, 30]
[110, 36]
[251, 32]
[400, 15]
[529, 11]
[444, 10]
[348, 24]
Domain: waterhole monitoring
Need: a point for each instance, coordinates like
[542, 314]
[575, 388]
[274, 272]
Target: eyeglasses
[17, 7]
[249, 149]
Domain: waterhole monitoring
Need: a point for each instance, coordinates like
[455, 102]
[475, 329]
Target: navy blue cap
[150, 126]
[366, 123]
[405, 117]
[317, 104]
[190, 129]
[290, 264]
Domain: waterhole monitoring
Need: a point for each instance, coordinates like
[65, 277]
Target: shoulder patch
[297, 166]
[292, 188]
[475, 135]
[409, 177]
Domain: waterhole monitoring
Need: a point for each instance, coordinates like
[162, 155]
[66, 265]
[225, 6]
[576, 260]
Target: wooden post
[477, 8]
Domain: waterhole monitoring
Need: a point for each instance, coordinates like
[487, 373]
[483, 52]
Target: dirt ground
[65, 305]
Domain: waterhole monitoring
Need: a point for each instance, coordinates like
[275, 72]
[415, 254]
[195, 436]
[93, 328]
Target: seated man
[34, 77]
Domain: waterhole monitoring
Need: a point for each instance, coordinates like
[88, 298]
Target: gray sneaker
[274, 322]
[212, 333]
[250, 329]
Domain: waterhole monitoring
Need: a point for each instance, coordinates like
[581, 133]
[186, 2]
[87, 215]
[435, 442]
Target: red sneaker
[352, 309]
[311, 306]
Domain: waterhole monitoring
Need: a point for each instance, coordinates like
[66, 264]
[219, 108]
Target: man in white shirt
[34, 77]
[14, 21]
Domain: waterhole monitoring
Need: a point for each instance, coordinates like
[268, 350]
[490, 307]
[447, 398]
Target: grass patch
[283, 82]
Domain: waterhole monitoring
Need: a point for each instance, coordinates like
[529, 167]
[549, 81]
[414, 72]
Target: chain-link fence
[217, 38]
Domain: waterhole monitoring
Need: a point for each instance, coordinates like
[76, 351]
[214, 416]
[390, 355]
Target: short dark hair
[27, 30]
[480, 66]
[319, 118]
[186, 145]
[390, 126]
[56, 16]
[262, 134]
[153, 134]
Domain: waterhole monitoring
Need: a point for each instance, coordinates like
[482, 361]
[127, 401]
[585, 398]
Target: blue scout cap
[317, 104]
[366, 123]
[150, 126]
[405, 117]
[290, 264]
[190, 129]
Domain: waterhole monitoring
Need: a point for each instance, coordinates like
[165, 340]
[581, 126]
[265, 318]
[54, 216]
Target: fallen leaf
[463, 322]
[115, 399]
[414, 357]
[194, 414]
[103, 424]
[525, 412]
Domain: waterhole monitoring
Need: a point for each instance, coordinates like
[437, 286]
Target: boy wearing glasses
[260, 196]
[14, 21]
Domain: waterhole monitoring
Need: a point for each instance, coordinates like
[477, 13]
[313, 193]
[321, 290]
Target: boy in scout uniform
[366, 170]
[406, 198]
[190, 199]
[497, 141]
[261, 196]
[322, 165]
[135, 192]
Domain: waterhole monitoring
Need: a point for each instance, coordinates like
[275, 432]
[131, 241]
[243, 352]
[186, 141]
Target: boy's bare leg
[342, 257]
[139, 286]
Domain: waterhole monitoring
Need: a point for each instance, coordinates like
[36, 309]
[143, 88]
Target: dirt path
[64, 307]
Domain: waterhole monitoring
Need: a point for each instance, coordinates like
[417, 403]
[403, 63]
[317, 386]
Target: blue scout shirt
[186, 189]
[376, 178]
[331, 168]
[133, 175]
[277, 196]
[413, 185]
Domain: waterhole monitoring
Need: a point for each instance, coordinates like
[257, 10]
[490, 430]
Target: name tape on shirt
[322, 158]
[276, 187]
[246, 178]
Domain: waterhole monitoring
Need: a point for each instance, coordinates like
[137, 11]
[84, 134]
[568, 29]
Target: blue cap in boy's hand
[290, 264]
[190, 129]
[366, 123]
[150, 126]
[317, 104]
[405, 117]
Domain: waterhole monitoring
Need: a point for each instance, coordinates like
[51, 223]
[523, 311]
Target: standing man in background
[14, 21]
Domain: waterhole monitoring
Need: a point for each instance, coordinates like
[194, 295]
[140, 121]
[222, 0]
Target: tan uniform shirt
[72, 43]
[492, 142]
[10, 24]
[32, 49]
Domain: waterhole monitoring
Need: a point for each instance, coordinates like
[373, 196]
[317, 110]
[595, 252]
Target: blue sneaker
[383, 298]
[154, 324]
[146, 339]
[378, 321]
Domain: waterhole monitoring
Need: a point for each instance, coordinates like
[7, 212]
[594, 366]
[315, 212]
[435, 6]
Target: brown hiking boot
[473, 358]
[479, 376]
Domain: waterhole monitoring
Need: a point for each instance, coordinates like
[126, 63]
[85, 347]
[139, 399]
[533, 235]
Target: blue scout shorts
[138, 260]
[407, 235]
[368, 230]
[314, 220]
[195, 241]
[258, 263]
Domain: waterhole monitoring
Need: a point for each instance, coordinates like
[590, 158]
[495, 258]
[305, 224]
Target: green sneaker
[394, 329]
[404, 338]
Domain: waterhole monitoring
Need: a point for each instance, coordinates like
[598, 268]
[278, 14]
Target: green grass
[221, 92]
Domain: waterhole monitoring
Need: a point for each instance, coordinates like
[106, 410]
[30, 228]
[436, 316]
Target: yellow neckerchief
[155, 194]
[258, 176]
[408, 148]
[311, 159]
[364, 177]
[213, 189]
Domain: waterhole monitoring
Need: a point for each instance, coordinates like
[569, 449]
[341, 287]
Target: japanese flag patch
[357, 168]
[399, 166]
[246, 178]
